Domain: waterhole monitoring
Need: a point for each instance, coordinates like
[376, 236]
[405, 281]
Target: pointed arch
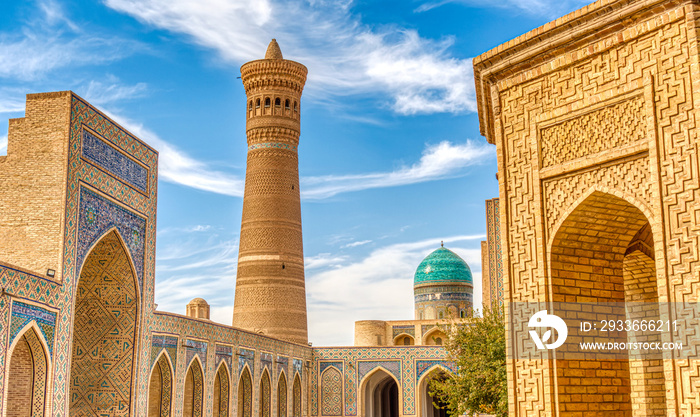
[265, 394]
[404, 339]
[27, 373]
[222, 383]
[425, 403]
[434, 336]
[296, 396]
[105, 327]
[331, 392]
[194, 390]
[245, 393]
[282, 395]
[160, 387]
[379, 394]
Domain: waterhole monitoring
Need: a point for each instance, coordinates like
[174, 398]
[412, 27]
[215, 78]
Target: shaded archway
[160, 388]
[194, 390]
[331, 392]
[104, 331]
[296, 397]
[435, 337]
[265, 394]
[379, 395]
[429, 406]
[221, 391]
[26, 380]
[404, 340]
[282, 395]
[245, 394]
[602, 253]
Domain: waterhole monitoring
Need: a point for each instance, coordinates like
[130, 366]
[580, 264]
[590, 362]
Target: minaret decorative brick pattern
[270, 288]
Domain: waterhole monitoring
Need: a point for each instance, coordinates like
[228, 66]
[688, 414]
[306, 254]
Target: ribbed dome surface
[442, 265]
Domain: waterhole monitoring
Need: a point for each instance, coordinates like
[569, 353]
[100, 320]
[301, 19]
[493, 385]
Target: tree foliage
[478, 348]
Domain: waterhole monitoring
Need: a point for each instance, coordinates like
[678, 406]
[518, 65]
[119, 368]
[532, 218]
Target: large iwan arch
[604, 253]
[104, 331]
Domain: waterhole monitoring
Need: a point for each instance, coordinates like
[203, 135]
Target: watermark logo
[542, 319]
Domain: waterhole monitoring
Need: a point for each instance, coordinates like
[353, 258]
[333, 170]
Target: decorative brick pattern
[221, 396]
[331, 392]
[593, 113]
[282, 396]
[245, 395]
[104, 332]
[196, 348]
[296, 397]
[611, 127]
[265, 395]
[164, 342]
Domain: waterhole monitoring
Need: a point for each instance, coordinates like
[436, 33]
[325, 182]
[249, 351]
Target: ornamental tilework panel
[245, 395]
[40, 373]
[323, 365]
[282, 396]
[331, 392]
[353, 358]
[296, 397]
[30, 286]
[97, 215]
[24, 313]
[409, 330]
[426, 328]
[97, 151]
[223, 392]
[166, 390]
[197, 390]
[196, 348]
[265, 395]
[246, 356]
[104, 332]
[364, 367]
[160, 342]
[225, 354]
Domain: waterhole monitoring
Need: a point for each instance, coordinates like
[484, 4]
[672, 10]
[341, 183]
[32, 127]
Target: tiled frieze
[196, 348]
[224, 353]
[407, 329]
[159, 342]
[99, 152]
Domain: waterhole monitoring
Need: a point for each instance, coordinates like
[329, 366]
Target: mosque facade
[79, 331]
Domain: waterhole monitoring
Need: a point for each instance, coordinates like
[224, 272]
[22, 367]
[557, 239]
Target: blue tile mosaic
[365, 367]
[423, 366]
[196, 348]
[246, 356]
[297, 366]
[442, 265]
[276, 145]
[224, 353]
[99, 152]
[282, 364]
[24, 313]
[323, 365]
[160, 342]
[97, 216]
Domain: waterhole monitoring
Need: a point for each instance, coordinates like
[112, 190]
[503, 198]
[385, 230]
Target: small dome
[273, 51]
[198, 301]
[442, 265]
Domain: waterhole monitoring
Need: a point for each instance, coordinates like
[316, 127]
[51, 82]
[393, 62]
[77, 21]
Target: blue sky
[391, 159]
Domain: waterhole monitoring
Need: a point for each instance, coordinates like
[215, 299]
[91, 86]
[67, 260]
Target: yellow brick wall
[33, 183]
[596, 112]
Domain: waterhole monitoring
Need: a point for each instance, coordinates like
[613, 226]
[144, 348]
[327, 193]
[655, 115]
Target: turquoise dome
[442, 265]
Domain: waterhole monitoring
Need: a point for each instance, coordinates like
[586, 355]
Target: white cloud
[101, 93]
[356, 244]
[344, 55]
[378, 287]
[444, 160]
[11, 102]
[51, 41]
[547, 8]
[323, 260]
[3, 145]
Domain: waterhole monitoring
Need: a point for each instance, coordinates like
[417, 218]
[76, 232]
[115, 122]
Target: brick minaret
[270, 290]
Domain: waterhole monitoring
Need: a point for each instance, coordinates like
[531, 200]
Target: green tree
[478, 348]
